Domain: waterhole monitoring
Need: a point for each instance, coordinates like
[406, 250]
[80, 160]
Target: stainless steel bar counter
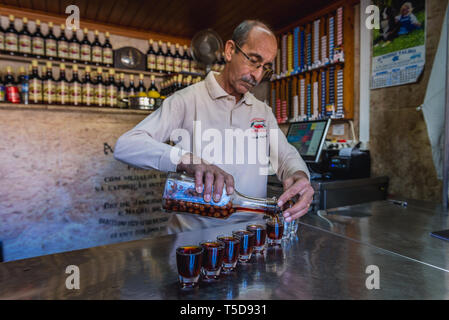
[317, 264]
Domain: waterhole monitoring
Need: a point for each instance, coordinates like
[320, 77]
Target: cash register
[339, 176]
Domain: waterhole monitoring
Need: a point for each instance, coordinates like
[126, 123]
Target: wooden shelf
[311, 70]
[81, 65]
[72, 108]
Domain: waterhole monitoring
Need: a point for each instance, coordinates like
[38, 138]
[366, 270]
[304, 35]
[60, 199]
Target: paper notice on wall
[338, 130]
[399, 51]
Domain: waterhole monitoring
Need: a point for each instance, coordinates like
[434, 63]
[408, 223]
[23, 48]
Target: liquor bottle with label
[88, 96]
[111, 90]
[37, 41]
[151, 57]
[100, 89]
[74, 47]
[97, 51]
[24, 86]
[62, 87]
[63, 45]
[25, 39]
[35, 84]
[141, 90]
[108, 55]
[180, 196]
[75, 88]
[122, 93]
[49, 86]
[193, 64]
[152, 91]
[185, 60]
[177, 61]
[169, 59]
[2, 39]
[11, 37]
[51, 46]
[131, 88]
[12, 90]
[160, 59]
[179, 82]
[86, 48]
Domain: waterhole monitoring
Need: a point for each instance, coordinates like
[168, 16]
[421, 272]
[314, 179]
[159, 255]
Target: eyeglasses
[267, 69]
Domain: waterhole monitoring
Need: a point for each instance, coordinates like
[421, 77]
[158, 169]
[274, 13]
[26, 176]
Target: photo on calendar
[401, 26]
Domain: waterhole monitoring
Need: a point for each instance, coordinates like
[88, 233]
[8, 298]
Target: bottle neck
[266, 206]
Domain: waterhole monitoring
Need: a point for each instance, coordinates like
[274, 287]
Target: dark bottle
[111, 90]
[35, 84]
[12, 91]
[51, 46]
[122, 92]
[179, 82]
[49, 86]
[11, 37]
[185, 61]
[62, 87]
[160, 58]
[131, 88]
[63, 45]
[74, 47]
[75, 88]
[24, 86]
[88, 96]
[141, 90]
[177, 60]
[2, 39]
[168, 59]
[108, 55]
[86, 48]
[152, 91]
[97, 51]
[100, 89]
[37, 41]
[151, 57]
[25, 39]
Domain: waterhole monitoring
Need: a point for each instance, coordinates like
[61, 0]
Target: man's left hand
[297, 184]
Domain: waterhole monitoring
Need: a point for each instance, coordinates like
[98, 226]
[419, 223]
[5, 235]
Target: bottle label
[112, 96]
[185, 191]
[12, 94]
[25, 44]
[35, 91]
[49, 92]
[131, 93]
[11, 42]
[177, 65]
[160, 61]
[50, 48]
[75, 93]
[107, 56]
[74, 51]
[2, 93]
[2, 41]
[99, 95]
[85, 52]
[37, 46]
[88, 94]
[122, 94]
[63, 93]
[63, 49]
[193, 67]
[185, 65]
[151, 61]
[169, 64]
[96, 54]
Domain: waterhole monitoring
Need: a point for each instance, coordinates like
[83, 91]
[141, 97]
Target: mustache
[249, 80]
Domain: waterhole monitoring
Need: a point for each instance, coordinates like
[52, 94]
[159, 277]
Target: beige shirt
[237, 137]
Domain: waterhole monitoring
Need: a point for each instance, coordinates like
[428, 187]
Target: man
[221, 106]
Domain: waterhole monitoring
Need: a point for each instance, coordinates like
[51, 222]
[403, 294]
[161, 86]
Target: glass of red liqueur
[188, 261]
[260, 236]
[246, 244]
[231, 252]
[275, 230]
[212, 259]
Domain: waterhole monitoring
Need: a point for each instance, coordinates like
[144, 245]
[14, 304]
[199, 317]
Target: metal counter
[319, 264]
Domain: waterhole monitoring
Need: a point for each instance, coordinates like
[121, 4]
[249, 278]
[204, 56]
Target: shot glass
[231, 252]
[212, 259]
[260, 236]
[246, 244]
[188, 261]
[275, 231]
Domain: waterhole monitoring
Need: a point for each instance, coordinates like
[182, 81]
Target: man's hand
[297, 184]
[206, 175]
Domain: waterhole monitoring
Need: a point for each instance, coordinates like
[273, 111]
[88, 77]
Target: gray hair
[240, 35]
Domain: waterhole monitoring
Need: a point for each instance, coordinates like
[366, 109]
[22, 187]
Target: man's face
[261, 47]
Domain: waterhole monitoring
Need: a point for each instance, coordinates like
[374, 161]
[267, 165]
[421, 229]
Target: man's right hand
[206, 176]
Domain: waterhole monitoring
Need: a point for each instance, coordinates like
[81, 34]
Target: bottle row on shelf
[102, 88]
[161, 57]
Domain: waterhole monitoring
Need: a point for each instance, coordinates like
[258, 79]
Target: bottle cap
[141, 76]
[34, 63]
[96, 32]
[153, 77]
[87, 69]
[38, 22]
[50, 24]
[74, 28]
[107, 34]
[75, 68]
[62, 26]
[131, 77]
[48, 64]
[62, 66]
[25, 20]
[100, 70]
[122, 75]
[111, 71]
[11, 17]
[8, 69]
[22, 70]
[85, 30]
[150, 41]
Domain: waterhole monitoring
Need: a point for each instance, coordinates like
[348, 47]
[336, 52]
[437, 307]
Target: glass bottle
[111, 90]
[75, 88]
[35, 84]
[160, 59]
[100, 89]
[51, 46]
[108, 55]
[2, 39]
[141, 90]
[177, 60]
[11, 88]
[86, 48]
[25, 39]
[49, 86]
[97, 51]
[11, 37]
[152, 91]
[63, 45]
[185, 61]
[74, 47]
[131, 88]
[180, 196]
[88, 96]
[122, 93]
[62, 87]
[151, 57]
[169, 59]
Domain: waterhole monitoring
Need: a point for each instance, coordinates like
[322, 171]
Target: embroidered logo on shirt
[258, 124]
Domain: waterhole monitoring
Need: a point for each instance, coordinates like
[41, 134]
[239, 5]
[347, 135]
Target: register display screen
[308, 138]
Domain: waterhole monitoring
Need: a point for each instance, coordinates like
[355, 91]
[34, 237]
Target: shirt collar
[216, 91]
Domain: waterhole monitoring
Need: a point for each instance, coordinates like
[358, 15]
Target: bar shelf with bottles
[312, 73]
[162, 58]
